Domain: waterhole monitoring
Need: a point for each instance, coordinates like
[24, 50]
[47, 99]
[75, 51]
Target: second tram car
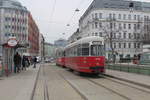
[86, 55]
[60, 57]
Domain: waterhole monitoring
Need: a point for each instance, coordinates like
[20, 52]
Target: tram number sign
[97, 42]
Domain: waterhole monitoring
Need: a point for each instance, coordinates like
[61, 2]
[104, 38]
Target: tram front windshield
[97, 50]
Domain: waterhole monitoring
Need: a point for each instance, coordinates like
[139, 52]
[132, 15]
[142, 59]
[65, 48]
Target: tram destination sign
[97, 42]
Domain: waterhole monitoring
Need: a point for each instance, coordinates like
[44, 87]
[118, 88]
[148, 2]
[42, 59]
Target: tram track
[120, 90]
[80, 93]
[93, 82]
[128, 83]
[123, 85]
[46, 92]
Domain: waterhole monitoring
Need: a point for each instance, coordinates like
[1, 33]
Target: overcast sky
[52, 16]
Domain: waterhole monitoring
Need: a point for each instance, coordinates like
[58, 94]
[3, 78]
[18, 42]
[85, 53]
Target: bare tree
[111, 31]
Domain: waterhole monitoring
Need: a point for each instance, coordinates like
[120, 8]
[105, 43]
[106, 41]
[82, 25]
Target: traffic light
[131, 4]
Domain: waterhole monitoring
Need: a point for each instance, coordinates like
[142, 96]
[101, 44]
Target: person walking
[34, 61]
[24, 63]
[17, 62]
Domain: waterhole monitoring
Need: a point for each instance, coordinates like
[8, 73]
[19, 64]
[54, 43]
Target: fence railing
[139, 69]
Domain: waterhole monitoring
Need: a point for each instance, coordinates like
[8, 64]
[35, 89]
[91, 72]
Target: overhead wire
[52, 13]
[53, 10]
[76, 10]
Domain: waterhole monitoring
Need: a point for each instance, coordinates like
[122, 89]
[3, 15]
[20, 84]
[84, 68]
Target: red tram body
[60, 61]
[85, 55]
[86, 64]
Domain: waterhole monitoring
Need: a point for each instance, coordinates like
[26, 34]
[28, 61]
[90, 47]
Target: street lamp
[76, 10]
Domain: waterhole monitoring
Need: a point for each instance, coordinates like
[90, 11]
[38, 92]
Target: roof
[11, 4]
[86, 40]
[117, 4]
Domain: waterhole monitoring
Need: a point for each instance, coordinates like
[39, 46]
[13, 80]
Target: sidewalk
[18, 86]
[134, 78]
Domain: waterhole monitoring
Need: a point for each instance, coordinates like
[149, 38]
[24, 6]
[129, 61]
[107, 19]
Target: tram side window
[79, 50]
[85, 49]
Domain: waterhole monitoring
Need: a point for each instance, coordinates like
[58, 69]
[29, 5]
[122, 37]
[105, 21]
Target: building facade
[123, 27]
[13, 22]
[49, 50]
[33, 37]
[41, 45]
[60, 43]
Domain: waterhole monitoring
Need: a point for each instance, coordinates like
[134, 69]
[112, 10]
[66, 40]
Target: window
[110, 16]
[114, 25]
[134, 26]
[129, 17]
[129, 45]
[111, 25]
[138, 17]
[124, 26]
[96, 34]
[92, 34]
[114, 16]
[79, 50]
[138, 35]
[138, 46]
[134, 17]
[138, 26]
[114, 35]
[124, 45]
[120, 27]
[114, 45]
[100, 15]
[100, 25]
[119, 45]
[100, 34]
[96, 16]
[92, 16]
[134, 45]
[119, 35]
[124, 35]
[96, 25]
[119, 16]
[124, 16]
[129, 26]
[129, 35]
[85, 49]
[134, 35]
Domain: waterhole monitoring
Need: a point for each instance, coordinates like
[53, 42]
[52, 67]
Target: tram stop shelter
[8, 51]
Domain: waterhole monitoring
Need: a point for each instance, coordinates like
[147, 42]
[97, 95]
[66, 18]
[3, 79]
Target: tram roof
[86, 40]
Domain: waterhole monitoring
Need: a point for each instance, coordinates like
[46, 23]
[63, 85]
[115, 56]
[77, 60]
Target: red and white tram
[86, 55]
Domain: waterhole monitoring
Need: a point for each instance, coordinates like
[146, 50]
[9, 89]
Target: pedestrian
[34, 61]
[24, 63]
[17, 62]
